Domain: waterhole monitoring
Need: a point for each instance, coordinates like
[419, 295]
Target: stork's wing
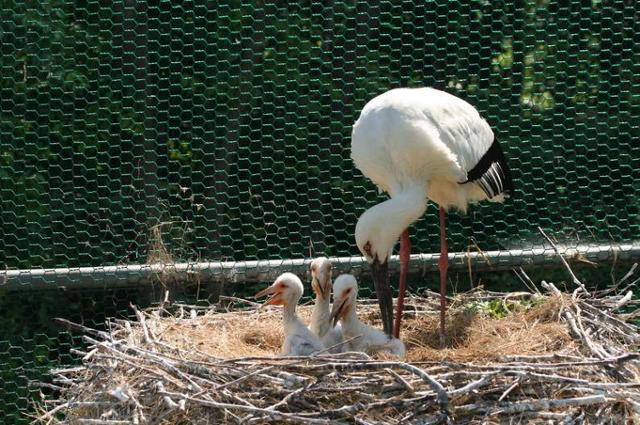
[491, 172]
[471, 140]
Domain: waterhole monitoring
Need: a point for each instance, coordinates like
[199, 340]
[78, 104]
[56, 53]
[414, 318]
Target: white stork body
[410, 139]
[299, 340]
[359, 336]
[419, 144]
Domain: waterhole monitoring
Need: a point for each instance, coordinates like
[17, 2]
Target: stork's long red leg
[405, 252]
[443, 265]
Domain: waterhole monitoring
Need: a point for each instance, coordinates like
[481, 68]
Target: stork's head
[321, 277]
[376, 235]
[287, 289]
[345, 294]
[379, 228]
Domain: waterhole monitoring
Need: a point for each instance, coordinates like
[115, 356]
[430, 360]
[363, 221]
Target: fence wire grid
[199, 131]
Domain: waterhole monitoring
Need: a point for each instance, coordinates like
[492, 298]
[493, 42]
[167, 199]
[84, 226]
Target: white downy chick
[321, 315]
[299, 340]
[359, 336]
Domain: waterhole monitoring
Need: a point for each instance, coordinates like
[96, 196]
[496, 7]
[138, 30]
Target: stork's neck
[407, 204]
[289, 313]
[320, 320]
[382, 224]
[350, 321]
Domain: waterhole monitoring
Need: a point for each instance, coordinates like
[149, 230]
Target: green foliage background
[235, 119]
[232, 120]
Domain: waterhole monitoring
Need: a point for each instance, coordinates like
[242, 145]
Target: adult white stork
[414, 144]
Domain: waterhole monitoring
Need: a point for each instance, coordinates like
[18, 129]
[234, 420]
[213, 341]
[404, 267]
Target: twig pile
[134, 374]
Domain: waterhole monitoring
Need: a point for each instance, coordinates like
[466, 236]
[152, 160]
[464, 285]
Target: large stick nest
[522, 357]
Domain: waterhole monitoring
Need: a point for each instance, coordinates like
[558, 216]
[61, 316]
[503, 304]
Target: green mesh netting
[234, 121]
[224, 128]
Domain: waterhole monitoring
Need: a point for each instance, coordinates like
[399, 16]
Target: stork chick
[320, 317]
[360, 337]
[299, 340]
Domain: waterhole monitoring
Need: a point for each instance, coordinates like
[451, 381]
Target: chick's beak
[271, 290]
[318, 287]
[380, 275]
[337, 310]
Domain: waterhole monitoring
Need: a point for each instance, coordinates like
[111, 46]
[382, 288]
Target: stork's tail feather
[492, 173]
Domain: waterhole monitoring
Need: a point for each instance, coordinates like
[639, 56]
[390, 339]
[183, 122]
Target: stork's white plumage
[359, 336]
[419, 144]
[320, 323]
[299, 340]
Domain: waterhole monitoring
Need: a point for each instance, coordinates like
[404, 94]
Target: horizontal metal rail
[268, 270]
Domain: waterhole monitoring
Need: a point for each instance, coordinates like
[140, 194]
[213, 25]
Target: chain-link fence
[216, 135]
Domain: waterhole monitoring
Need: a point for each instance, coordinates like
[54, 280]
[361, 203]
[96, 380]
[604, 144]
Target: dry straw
[511, 358]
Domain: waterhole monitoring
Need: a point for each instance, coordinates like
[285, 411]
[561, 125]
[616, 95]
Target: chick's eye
[313, 268]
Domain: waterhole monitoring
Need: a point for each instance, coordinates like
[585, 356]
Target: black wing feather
[492, 173]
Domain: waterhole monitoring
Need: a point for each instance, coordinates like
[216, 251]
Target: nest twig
[139, 372]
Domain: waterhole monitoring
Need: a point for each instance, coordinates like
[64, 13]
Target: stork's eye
[367, 248]
[313, 268]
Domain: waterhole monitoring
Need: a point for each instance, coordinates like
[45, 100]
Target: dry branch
[153, 371]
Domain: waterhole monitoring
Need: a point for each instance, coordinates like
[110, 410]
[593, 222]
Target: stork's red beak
[380, 275]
